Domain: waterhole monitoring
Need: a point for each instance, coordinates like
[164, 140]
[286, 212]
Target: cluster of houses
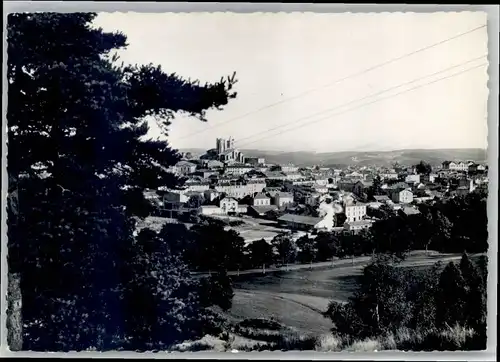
[225, 182]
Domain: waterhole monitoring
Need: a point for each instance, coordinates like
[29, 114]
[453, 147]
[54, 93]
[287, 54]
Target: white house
[389, 176]
[290, 168]
[184, 167]
[283, 198]
[261, 200]
[413, 178]
[209, 210]
[355, 211]
[240, 190]
[228, 204]
[212, 164]
[238, 169]
[455, 166]
[404, 196]
[321, 181]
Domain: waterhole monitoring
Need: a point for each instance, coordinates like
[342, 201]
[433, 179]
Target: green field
[297, 298]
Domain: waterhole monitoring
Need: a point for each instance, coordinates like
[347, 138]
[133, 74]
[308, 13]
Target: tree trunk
[377, 317]
[14, 295]
[14, 313]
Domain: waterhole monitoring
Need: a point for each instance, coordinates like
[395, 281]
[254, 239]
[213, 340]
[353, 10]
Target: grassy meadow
[297, 298]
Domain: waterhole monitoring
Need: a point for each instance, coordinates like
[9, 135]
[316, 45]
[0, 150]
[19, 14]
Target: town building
[283, 198]
[389, 176]
[229, 205]
[412, 178]
[275, 175]
[357, 226]
[209, 210]
[184, 168]
[455, 166]
[474, 167]
[402, 196]
[361, 188]
[212, 164]
[299, 222]
[261, 200]
[289, 168]
[226, 152]
[354, 211]
[237, 169]
[293, 176]
[431, 178]
[346, 185]
[261, 211]
[239, 190]
[255, 161]
[193, 185]
[466, 183]
[210, 195]
[204, 173]
[272, 191]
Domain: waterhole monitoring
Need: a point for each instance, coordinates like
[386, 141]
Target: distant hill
[362, 158]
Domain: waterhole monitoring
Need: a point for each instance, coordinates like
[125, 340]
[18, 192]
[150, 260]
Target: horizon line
[343, 151]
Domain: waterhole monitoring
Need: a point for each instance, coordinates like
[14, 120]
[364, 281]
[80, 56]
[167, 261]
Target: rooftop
[299, 219]
[358, 223]
[284, 194]
[263, 209]
[410, 210]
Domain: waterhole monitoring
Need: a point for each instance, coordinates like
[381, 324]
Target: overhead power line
[354, 75]
[363, 98]
[367, 104]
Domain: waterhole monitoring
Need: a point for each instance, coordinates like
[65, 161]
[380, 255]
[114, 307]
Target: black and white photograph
[247, 182]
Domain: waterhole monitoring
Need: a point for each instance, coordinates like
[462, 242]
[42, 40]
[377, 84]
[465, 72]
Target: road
[422, 259]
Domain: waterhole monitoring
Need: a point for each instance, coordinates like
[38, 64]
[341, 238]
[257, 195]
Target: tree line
[418, 304]
[454, 226]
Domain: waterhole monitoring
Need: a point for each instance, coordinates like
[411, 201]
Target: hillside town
[268, 199]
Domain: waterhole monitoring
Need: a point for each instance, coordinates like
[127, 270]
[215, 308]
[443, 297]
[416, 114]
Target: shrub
[329, 343]
[290, 341]
[261, 323]
[367, 345]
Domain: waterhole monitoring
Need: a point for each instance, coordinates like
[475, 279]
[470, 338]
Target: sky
[315, 82]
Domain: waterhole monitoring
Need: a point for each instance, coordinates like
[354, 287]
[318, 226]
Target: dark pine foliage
[77, 165]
